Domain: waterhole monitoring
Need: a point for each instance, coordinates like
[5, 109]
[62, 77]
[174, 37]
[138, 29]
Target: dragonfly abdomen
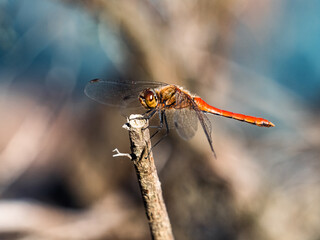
[203, 106]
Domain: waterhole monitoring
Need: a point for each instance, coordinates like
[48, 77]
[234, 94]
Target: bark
[149, 183]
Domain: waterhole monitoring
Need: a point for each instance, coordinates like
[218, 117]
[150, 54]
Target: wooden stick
[149, 183]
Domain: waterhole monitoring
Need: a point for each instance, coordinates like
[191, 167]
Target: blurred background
[58, 179]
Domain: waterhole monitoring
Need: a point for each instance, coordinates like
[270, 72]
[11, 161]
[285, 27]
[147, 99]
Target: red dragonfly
[172, 103]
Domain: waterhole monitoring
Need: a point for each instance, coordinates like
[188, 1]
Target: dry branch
[149, 183]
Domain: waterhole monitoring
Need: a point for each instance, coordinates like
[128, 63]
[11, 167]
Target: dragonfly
[176, 107]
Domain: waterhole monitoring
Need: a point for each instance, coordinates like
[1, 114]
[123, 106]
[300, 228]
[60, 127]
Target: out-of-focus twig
[150, 185]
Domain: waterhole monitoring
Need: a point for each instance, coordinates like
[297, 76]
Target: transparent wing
[115, 93]
[206, 125]
[186, 122]
[196, 113]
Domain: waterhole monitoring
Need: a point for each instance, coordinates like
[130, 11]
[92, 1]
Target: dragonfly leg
[163, 118]
[160, 126]
[149, 114]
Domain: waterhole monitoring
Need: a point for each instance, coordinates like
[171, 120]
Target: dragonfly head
[148, 98]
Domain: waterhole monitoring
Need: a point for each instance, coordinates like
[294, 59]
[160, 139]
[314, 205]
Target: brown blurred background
[58, 179]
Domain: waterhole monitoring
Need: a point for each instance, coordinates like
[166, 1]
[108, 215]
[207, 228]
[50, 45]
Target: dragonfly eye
[150, 99]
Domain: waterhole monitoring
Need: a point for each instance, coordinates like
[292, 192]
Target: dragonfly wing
[185, 122]
[113, 93]
[206, 125]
